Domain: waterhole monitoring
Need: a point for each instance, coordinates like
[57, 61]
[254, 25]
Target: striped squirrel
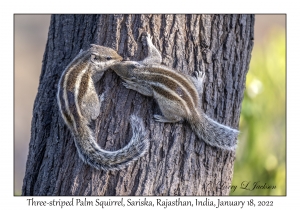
[177, 95]
[79, 105]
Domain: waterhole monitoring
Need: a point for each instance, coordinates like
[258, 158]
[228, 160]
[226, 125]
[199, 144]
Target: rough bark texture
[177, 162]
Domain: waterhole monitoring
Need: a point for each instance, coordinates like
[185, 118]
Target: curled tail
[90, 152]
[213, 133]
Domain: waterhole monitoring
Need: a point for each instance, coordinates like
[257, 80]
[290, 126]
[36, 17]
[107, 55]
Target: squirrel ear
[93, 45]
[95, 58]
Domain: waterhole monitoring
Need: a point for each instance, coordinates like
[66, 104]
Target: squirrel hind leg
[170, 114]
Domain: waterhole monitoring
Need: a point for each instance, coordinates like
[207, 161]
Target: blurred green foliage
[261, 153]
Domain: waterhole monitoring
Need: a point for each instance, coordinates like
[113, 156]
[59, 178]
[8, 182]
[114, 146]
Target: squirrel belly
[79, 104]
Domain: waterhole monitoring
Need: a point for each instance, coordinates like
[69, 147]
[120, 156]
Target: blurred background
[261, 153]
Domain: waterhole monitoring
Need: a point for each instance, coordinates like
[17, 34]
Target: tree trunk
[177, 162]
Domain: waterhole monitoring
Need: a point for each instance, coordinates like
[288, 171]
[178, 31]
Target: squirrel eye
[108, 58]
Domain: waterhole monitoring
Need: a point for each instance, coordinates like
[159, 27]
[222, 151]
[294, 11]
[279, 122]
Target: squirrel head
[125, 69]
[103, 54]
[103, 57]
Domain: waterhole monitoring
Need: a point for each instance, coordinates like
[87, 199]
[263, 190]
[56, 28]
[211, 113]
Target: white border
[6, 85]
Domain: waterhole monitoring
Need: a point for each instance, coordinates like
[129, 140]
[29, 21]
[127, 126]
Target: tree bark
[177, 162]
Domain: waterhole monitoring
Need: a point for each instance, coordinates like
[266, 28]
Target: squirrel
[79, 105]
[178, 96]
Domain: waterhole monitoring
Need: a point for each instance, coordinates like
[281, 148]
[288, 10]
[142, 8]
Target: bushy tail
[90, 152]
[213, 133]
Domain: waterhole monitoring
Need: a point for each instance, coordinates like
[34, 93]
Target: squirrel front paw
[199, 75]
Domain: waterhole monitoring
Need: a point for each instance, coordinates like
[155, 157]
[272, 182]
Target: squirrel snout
[119, 58]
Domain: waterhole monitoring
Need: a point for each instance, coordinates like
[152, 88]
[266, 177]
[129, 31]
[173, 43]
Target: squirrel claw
[199, 74]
